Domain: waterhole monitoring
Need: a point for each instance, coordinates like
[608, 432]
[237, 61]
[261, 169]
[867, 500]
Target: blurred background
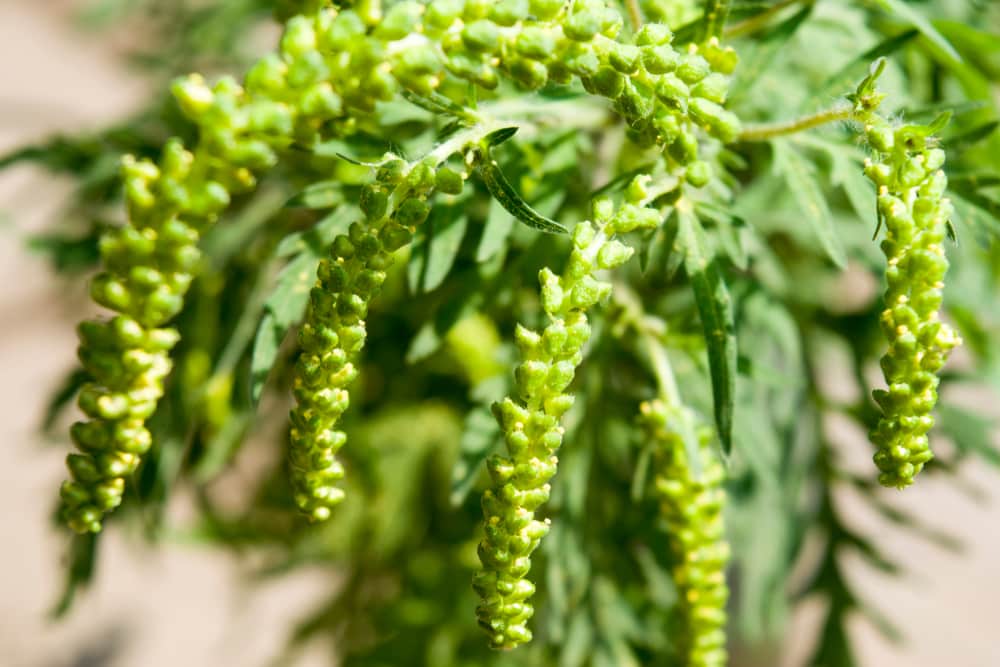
[178, 604]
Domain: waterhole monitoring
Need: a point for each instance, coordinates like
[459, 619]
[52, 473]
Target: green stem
[716, 12]
[661, 369]
[634, 13]
[765, 131]
[758, 21]
[650, 336]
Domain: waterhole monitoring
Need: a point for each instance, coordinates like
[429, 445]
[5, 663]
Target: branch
[765, 131]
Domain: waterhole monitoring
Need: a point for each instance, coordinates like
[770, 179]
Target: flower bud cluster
[662, 93]
[692, 507]
[911, 187]
[530, 420]
[148, 266]
[342, 59]
[334, 328]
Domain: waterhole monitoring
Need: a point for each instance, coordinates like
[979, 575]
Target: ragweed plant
[336, 230]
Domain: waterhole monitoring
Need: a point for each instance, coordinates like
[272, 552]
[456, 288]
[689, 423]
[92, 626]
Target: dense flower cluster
[692, 506]
[334, 327]
[911, 187]
[530, 420]
[665, 97]
[148, 265]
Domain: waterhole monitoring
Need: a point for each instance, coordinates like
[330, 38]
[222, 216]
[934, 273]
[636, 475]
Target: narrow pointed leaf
[715, 309]
[504, 192]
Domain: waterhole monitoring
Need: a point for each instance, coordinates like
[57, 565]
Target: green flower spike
[692, 508]
[530, 421]
[148, 266]
[334, 332]
[911, 201]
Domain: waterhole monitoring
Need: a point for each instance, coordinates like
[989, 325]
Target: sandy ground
[183, 606]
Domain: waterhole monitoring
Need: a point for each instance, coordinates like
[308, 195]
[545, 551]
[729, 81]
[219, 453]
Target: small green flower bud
[631, 217]
[583, 62]
[653, 34]
[299, 37]
[509, 12]
[342, 247]
[394, 237]
[713, 88]
[526, 339]
[582, 26]
[636, 190]
[449, 182]
[193, 95]
[476, 9]
[633, 103]
[545, 10]
[530, 74]
[267, 75]
[441, 14]
[723, 124]
[535, 42]
[307, 69]
[723, 59]
[611, 22]
[343, 32]
[613, 254]
[692, 68]
[552, 292]
[608, 82]
[421, 178]
[659, 59]
[672, 91]
[411, 212]
[391, 172]
[584, 233]
[401, 20]
[698, 173]
[481, 35]
[624, 58]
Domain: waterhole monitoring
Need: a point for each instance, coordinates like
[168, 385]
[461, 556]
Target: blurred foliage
[403, 543]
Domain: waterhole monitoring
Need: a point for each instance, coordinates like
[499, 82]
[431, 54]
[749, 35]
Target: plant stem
[756, 22]
[634, 13]
[662, 369]
[765, 131]
[716, 12]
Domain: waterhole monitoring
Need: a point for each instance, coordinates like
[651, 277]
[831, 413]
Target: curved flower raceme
[148, 266]
[334, 328]
[530, 420]
[911, 186]
[692, 506]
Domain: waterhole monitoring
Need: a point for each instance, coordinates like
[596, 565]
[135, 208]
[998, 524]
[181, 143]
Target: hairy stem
[634, 13]
[766, 131]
